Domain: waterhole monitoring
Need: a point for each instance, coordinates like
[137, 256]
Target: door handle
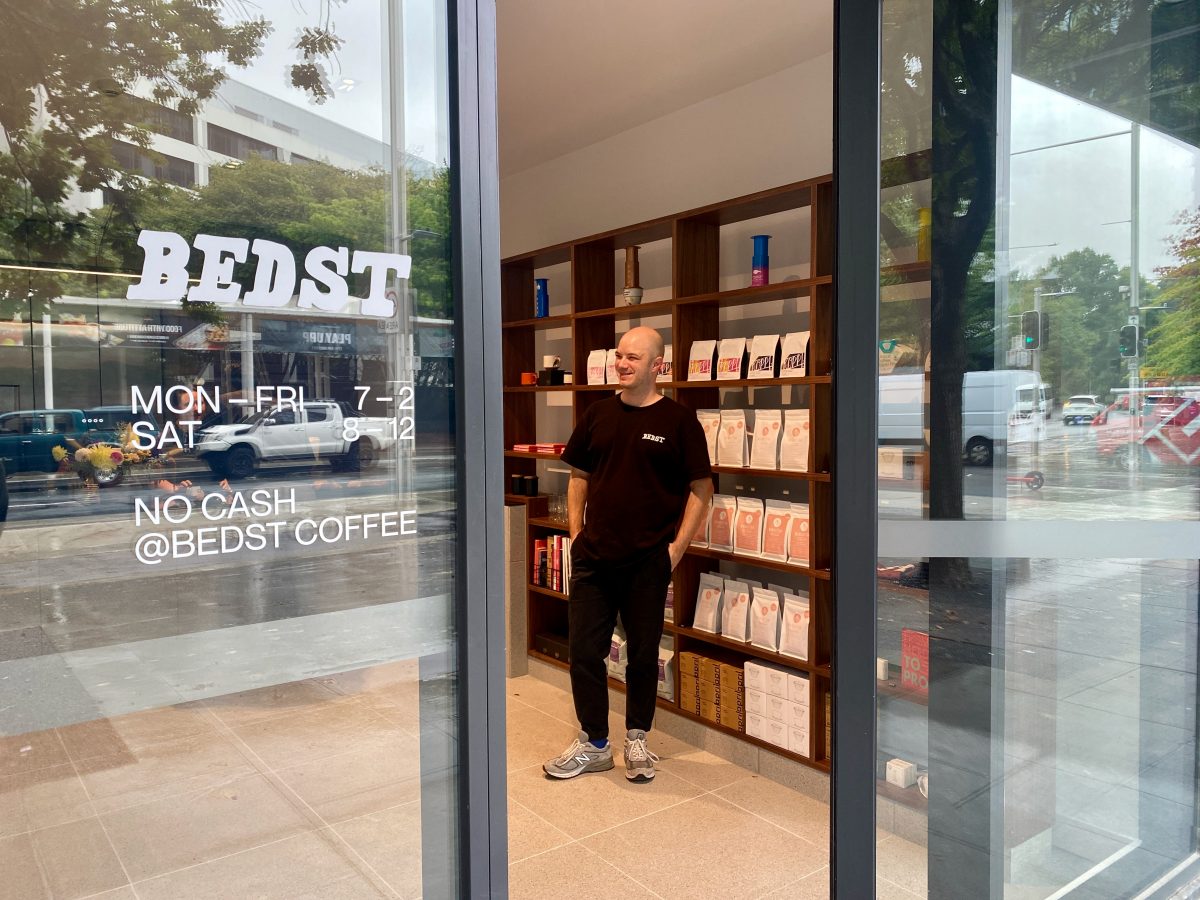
[26, 442]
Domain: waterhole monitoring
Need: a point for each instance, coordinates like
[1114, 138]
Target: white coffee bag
[708, 603]
[764, 356]
[793, 630]
[596, 364]
[700, 361]
[735, 611]
[720, 529]
[731, 354]
[764, 447]
[747, 535]
[798, 536]
[777, 517]
[710, 421]
[764, 619]
[793, 447]
[610, 367]
[731, 442]
[665, 373]
[794, 360]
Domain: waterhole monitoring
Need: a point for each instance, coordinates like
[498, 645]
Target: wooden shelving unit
[695, 309]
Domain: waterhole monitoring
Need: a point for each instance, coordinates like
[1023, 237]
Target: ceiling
[574, 73]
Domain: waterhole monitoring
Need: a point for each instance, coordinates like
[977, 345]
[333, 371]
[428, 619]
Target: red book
[914, 661]
[539, 562]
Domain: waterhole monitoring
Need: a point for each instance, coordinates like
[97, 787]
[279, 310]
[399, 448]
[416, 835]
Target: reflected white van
[992, 410]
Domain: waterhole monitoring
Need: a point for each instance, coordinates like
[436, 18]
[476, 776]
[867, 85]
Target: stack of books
[552, 562]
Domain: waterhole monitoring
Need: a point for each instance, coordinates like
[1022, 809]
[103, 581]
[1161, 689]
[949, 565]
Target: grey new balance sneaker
[581, 757]
[639, 761]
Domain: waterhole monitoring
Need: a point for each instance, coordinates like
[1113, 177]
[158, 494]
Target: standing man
[640, 487]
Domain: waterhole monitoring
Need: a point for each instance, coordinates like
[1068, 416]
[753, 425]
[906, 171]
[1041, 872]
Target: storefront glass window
[1039, 449]
[227, 491]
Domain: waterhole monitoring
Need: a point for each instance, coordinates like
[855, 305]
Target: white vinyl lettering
[216, 274]
[275, 277]
[317, 265]
[376, 304]
[164, 270]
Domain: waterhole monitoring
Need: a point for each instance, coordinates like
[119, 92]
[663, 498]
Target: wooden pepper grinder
[633, 290]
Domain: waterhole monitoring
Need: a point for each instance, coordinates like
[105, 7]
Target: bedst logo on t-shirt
[657, 438]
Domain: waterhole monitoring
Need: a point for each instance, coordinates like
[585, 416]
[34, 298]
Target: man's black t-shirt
[640, 462]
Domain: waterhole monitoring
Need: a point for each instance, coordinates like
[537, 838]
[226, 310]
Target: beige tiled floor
[306, 790]
[703, 828]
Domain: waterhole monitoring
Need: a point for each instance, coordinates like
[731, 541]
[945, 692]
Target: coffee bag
[710, 421]
[764, 619]
[731, 355]
[700, 361]
[720, 530]
[777, 517]
[708, 603]
[747, 537]
[764, 448]
[793, 447]
[731, 443]
[798, 535]
[764, 356]
[610, 367]
[794, 360]
[793, 630]
[665, 372]
[735, 611]
[596, 364]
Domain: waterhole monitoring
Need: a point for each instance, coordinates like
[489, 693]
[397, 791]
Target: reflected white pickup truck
[316, 430]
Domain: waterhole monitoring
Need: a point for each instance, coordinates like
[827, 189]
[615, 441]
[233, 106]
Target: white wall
[770, 132]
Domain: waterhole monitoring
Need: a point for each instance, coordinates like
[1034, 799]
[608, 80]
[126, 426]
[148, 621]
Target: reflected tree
[1174, 350]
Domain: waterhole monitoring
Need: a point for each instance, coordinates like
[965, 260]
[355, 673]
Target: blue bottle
[541, 306]
[760, 267]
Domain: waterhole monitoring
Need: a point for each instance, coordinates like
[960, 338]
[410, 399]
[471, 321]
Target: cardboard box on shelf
[799, 689]
[798, 741]
[768, 678]
[689, 664]
[775, 733]
[690, 703]
[797, 716]
[776, 708]
[756, 702]
[756, 726]
[710, 671]
[730, 696]
[709, 711]
[733, 676]
[689, 686]
[708, 692]
[732, 717]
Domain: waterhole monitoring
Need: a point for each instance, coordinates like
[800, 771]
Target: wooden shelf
[782, 290]
[746, 649]
[708, 553]
[695, 313]
[821, 764]
[547, 592]
[523, 499]
[772, 473]
[547, 522]
[750, 382]
[559, 321]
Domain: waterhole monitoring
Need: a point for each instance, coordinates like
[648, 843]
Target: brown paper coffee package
[732, 675]
[689, 686]
[690, 702]
[764, 448]
[708, 692]
[731, 442]
[708, 711]
[700, 361]
[731, 359]
[666, 373]
[720, 530]
[728, 696]
[764, 356]
[794, 360]
[710, 421]
[710, 670]
[596, 362]
[793, 449]
[747, 538]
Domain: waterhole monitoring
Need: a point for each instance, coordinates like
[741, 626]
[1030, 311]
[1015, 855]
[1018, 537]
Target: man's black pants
[599, 591]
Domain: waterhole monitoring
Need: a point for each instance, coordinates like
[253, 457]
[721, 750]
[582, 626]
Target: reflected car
[1081, 409]
[1164, 432]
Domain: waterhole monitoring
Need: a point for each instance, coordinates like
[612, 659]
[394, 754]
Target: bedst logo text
[165, 275]
[658, 439]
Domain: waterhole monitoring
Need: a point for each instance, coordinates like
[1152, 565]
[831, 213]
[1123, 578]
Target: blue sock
[601, 744]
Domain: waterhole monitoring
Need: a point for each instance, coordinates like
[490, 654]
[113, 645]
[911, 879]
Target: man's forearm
[693, 517]
[576, 500]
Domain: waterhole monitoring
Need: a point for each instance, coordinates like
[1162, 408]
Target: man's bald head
[646, 339]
